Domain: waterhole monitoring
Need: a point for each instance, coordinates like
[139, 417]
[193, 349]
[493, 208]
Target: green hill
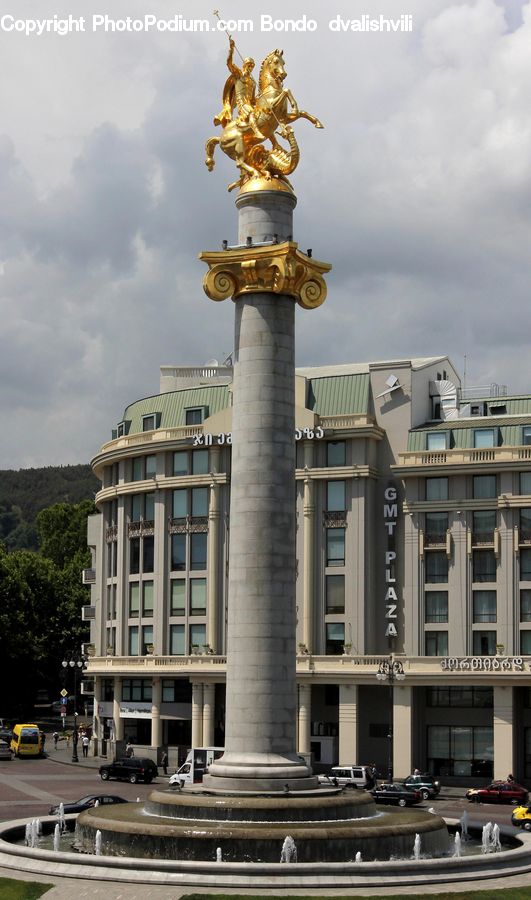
[24, 492]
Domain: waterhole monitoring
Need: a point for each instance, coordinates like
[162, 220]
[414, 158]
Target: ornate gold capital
[276, 269]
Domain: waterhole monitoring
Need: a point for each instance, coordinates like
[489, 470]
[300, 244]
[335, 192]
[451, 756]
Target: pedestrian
[85, 744]
[129, 750]
[68, 736]
[55, 739]
[164, 762]
[416, 772]
[510, 779]
[374, 773]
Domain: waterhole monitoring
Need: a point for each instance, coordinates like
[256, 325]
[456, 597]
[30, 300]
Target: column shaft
[308, 579]
[348, 724]
[118, 722]
[213, 587]
[305, 716]
[403, 764]
[503, 718]
[197, 714]
[209, 697]
[156, 724]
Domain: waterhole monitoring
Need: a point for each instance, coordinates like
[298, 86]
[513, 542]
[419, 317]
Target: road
[29, 787]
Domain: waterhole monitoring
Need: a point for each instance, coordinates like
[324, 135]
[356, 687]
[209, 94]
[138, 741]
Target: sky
[418, 191]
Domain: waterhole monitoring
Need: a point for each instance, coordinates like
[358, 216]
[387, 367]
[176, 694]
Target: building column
[348, 724]
[308, 553]
[118, 722]
[156, 724]
[97, 725]
[305, 715]
[502, 720]
[209, 700]
[213, 583]
[197, 714]
[403, 764]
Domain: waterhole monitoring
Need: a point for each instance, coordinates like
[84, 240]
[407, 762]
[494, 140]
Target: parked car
[425, 784]
[521, 817]
[5, 751]
[347, 776]
[397, 794]
[499, 792]
[132, 768]
[87, 803]
[5, 735]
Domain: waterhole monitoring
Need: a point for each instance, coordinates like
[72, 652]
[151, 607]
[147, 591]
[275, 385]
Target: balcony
[461, 456]
[89, 576]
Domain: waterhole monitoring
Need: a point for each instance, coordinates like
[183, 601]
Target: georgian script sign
[483, 664]
[207, 440]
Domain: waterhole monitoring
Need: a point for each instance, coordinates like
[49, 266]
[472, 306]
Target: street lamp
[77, 662]
[390, 670]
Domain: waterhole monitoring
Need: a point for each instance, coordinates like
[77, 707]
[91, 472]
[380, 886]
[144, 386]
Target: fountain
[495, 838]
[219, 855]
[358, 857]
[464, 825]
[486, 843]
[97, 843]
[289, 851]
[57, 837]
[62, 820]
[457, 845]
[416, 847]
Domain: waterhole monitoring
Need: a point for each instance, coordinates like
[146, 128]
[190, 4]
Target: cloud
[418, 191]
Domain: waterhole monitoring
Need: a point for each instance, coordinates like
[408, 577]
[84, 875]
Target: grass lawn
[10, 889]
[503, 894]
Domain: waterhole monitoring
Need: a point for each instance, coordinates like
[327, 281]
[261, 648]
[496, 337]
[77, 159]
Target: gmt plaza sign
[390, 515]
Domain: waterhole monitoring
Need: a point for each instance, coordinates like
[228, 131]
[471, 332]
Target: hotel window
[197, 635]
[149, 422]
[525, 606]
[436, 489]
[484, 487]
[335, 594]
[436, 440]
[111, 601]
[143, 507]
[111, 640]
[483, 525]
[134, 600]
[137, 689]
[335, 496]
[177, 647]
[133, 640]
[484, 606]
[144, 467]
[484, 437]
[436, 607]
[134, 556]
[107, 690]
[526, 435]
[147, 638]
[436, 643]
[112, 559]
[525, 482]
[436, 567]
[460, 697]
[147, 599]
[525, 525]
[525, 643]
[199, 502]
[178, 552]
[335, 546]
[198, 551]
[461, 750]
[121, 429]
[483, 565]
[335, 638]
[195, 462]
[525, 564]
[484, 643]
[436, 528]
[148, 553]
[194, 416]
[178, 597]
[198, 596]
[335, 453]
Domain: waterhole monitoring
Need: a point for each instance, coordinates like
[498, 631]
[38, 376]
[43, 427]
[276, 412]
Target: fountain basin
[327, 827]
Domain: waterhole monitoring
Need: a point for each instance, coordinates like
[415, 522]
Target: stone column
[197, 714]
[503, 720]
[403, 764]
[213, 590]
[97, 729]
[265, 281]
[308, 561]
[305, 717]
[118, 722]
[156, 724]
[348, 724]
[209, 698]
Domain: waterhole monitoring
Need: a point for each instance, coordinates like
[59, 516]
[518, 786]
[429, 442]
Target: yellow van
[26, 740]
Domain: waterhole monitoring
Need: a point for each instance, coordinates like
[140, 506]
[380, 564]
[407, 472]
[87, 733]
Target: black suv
[133, 769]
[424, 784]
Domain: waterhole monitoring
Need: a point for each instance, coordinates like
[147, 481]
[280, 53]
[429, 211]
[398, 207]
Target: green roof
[339, 395]
[173, 405]
[462, 436]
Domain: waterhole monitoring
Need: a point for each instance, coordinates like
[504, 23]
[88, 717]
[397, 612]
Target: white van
[196, 764]
[348, 776]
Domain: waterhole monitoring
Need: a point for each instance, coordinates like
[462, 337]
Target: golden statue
[257, 119]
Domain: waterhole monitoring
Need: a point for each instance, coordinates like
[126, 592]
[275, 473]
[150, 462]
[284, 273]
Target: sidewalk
[63, 754]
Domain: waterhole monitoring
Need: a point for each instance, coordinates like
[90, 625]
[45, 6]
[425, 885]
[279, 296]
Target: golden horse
[275, 109]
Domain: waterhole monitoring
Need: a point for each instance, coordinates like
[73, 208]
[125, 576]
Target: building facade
[413, 502]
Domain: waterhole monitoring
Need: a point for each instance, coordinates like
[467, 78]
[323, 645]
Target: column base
[260, 772]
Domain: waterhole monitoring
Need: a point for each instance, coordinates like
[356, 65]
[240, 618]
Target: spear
[216, 13]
